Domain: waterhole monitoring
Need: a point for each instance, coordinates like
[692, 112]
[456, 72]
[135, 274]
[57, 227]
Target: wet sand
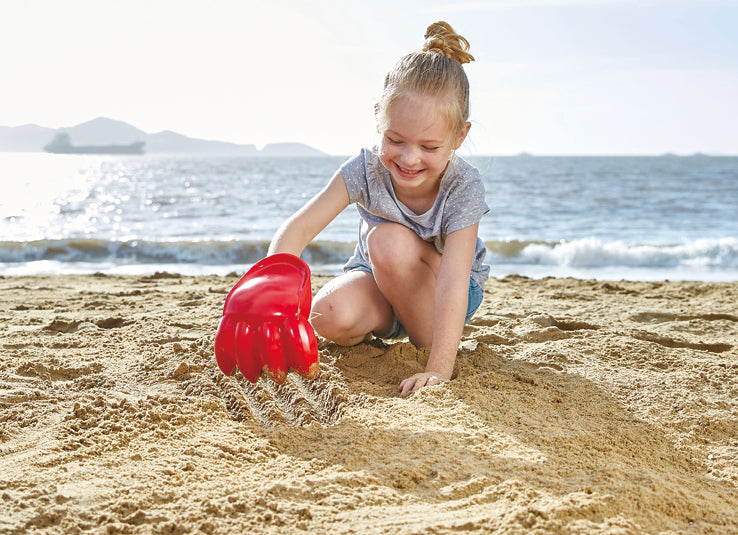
[577, 407]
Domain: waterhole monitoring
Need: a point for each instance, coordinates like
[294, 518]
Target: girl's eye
[393, 141]
[431, 149]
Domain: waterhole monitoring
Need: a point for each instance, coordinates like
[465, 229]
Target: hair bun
[441, 38]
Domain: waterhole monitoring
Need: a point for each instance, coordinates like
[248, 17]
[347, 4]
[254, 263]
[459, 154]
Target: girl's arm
[305, 224]
[451, 299]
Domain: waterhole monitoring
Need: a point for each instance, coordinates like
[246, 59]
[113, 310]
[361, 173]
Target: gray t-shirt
[459, 204]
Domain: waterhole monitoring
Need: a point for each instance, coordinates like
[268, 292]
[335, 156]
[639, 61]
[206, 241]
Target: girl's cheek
[388, 151]
[385, 157]
[383, 148]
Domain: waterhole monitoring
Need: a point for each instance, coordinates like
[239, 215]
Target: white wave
[593, 252]
[139, 252]
[702, 259]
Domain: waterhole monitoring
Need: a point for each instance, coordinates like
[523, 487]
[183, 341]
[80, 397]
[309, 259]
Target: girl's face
[418, 142]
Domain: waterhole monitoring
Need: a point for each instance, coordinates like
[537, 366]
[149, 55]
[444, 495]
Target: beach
[577, 406]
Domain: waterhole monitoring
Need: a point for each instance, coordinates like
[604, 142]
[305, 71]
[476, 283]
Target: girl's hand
[419, 380]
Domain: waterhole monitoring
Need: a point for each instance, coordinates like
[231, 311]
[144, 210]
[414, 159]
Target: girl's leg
[349, 307]
[406, 269]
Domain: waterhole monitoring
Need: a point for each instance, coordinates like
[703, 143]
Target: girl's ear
[462, 135]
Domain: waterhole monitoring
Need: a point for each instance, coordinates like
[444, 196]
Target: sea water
[607, 218]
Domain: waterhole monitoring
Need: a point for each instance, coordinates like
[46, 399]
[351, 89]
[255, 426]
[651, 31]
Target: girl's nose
[410, 156]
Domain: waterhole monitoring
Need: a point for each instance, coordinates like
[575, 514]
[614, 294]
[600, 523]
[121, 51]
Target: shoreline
[578, 406]
[499, 271]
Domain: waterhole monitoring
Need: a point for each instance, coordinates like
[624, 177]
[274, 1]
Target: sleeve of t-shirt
[466, 205]
[355, 176]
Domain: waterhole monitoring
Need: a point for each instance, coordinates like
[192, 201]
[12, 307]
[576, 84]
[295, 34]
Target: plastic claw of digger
[265, 326]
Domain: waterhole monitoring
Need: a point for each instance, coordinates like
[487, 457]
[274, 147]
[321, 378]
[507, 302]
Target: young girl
[418, 267]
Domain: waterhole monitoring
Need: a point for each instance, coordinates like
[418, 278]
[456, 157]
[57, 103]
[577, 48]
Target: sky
[550, 77]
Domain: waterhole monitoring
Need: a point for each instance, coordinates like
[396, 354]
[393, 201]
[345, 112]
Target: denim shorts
[476, 294]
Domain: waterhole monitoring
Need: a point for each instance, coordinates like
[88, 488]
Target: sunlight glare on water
[36, 187]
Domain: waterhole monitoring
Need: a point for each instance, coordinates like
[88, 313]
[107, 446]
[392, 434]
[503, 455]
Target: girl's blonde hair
[435, 70]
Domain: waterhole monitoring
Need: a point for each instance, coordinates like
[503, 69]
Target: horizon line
[521, 153]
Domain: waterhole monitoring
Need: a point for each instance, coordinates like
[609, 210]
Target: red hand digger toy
[265, 326]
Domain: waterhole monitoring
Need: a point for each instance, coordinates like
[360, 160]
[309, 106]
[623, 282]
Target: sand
[577, 407]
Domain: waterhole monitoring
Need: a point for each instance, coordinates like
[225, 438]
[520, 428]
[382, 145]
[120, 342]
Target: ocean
[607, 218]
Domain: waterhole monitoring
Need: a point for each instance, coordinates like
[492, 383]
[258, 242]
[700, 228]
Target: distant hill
[104, 131]
[26, 138]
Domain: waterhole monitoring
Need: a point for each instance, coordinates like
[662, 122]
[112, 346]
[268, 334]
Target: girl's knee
[323, 313]
[332, 319]
[393, 244]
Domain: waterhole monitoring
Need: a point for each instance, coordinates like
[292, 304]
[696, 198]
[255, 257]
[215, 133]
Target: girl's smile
[408, 173]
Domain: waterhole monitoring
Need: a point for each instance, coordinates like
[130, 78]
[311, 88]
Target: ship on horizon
[62, 144]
